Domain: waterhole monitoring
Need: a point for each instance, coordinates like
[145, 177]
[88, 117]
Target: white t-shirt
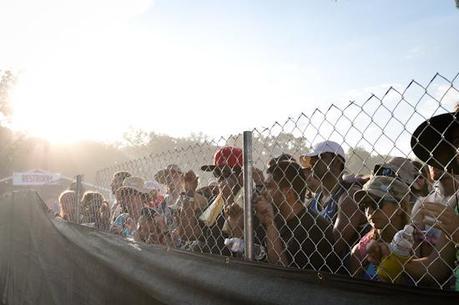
[436, 197]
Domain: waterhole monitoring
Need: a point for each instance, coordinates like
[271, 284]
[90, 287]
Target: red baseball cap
[226, 156]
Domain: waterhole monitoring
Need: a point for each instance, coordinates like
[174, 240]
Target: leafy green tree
[362, 162]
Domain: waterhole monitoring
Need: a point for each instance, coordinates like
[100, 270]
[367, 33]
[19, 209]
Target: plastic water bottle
[236, 245]
[401, 247]
[403, 241]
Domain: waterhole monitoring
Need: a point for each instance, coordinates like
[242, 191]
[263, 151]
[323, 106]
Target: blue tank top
[330, 206]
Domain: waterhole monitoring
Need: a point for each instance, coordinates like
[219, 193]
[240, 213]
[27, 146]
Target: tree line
[22, 152]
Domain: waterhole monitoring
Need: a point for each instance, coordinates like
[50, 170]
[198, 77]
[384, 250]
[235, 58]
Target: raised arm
[348, 220]
[274, 244]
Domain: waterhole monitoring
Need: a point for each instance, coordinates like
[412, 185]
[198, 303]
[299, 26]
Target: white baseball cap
[320, 148]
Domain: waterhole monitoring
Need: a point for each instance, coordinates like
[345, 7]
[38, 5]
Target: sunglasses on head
[381, 170]
[225, 172]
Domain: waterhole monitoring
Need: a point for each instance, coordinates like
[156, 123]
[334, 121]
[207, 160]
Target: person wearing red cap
[225, 212]
[224, 216]
[227, 168]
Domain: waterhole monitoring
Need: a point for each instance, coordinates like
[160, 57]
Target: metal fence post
[248, 223]
[78, 194]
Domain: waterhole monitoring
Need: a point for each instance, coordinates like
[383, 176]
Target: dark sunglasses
[224, 173]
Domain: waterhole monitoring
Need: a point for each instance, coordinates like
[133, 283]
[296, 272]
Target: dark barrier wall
[47, 261]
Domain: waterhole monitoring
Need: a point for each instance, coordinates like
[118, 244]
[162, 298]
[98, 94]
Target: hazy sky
[91, 68]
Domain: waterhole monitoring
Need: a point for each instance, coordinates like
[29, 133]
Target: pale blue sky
[218, 67]
[348, 43]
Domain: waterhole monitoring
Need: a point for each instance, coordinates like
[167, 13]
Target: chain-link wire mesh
[337, 190]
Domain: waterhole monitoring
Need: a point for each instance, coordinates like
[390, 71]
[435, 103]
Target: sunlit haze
[90, 69]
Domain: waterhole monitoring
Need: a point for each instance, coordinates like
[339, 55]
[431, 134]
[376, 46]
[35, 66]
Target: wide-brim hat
[432, 141]
[153, 185]
[134, 183]
[161, 175]
[403, 168]
[381, 188]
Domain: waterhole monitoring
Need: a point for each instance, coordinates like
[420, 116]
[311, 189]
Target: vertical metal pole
[78, 194]
[248, 222]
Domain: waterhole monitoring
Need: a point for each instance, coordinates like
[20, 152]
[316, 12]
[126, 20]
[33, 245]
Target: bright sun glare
[72, 75]
[106, 68]
[54, 106]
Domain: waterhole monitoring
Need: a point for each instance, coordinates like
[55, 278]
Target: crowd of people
[399, 224]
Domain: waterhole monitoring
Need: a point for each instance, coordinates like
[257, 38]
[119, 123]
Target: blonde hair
[67, 200]
[92, 197]
[90, 205]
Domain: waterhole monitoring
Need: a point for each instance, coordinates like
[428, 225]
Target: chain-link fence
[337, 190]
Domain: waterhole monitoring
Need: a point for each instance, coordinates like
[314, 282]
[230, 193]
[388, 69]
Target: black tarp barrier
[48, 261]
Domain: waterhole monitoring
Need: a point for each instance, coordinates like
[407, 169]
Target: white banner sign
[35, 178]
